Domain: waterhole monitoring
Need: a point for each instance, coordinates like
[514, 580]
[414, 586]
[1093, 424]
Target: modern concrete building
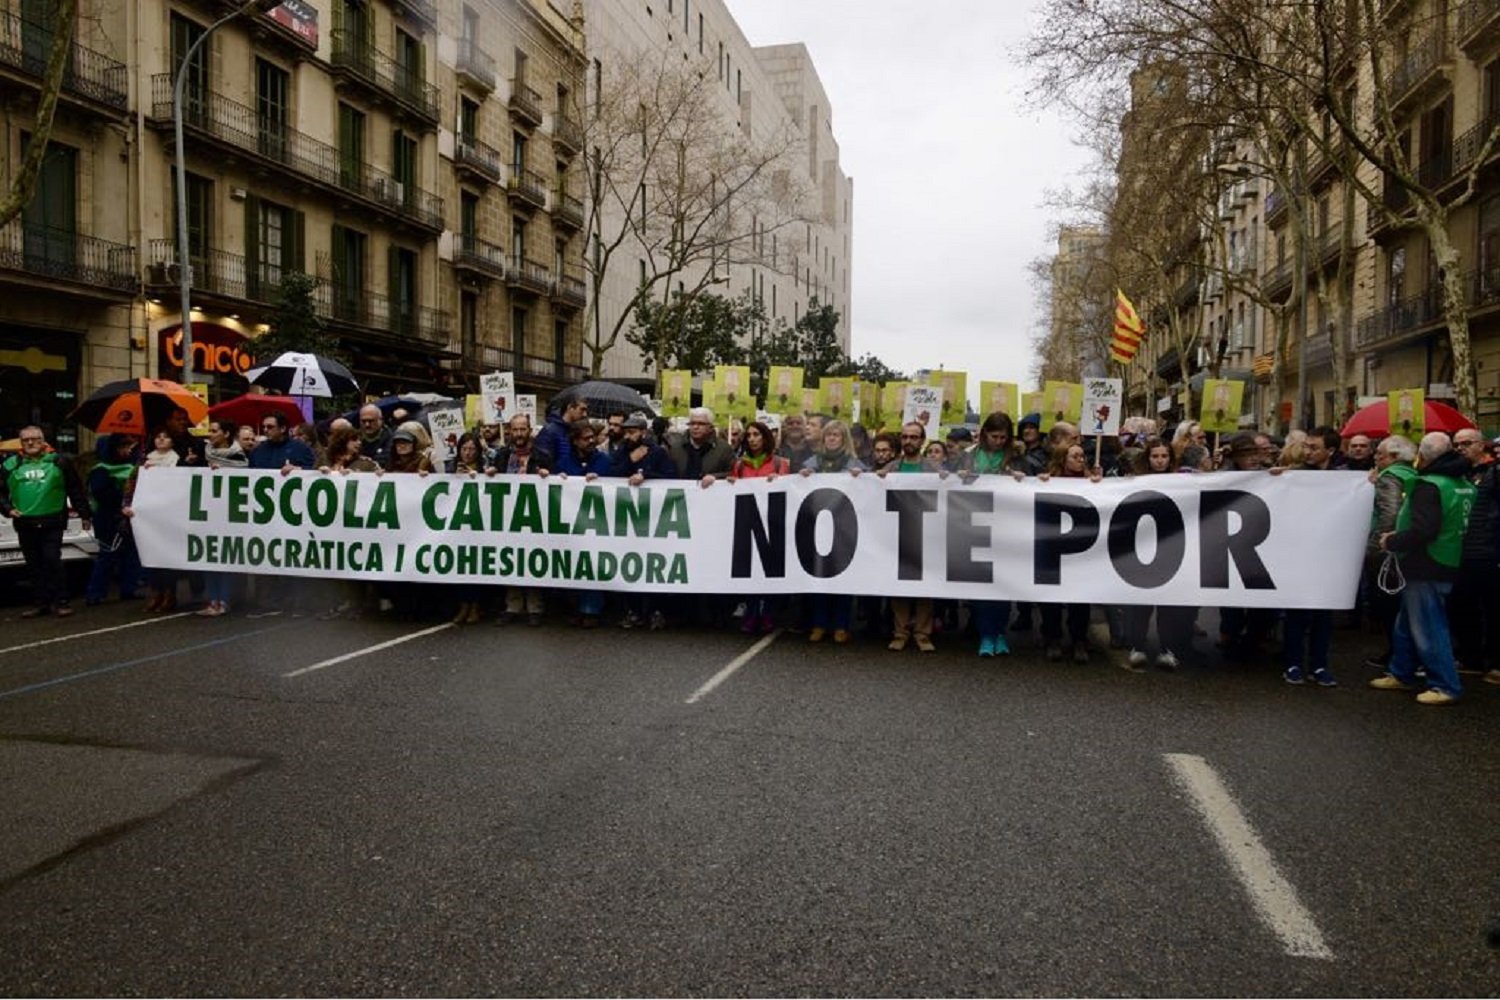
[761, 90]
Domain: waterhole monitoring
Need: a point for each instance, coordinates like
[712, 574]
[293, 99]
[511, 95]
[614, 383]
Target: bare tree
[1322, 82]
[62, 22]
[673, 182]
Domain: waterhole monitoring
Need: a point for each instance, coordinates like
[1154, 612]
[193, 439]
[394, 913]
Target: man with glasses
[36, 488]
[374, 435]
[701, 456]
[1471, 606]
[911, 617]
[279, 450]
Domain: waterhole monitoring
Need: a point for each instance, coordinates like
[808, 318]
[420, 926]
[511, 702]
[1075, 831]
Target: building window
[468, 120]
[351, 146]
[518, 320]
[468, 323]
[1395, 276]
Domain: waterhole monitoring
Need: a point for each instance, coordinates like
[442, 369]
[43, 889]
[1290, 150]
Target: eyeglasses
[699, 423]
[36, 438]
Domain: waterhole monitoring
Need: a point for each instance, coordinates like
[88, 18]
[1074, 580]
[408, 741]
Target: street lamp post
[184, 274]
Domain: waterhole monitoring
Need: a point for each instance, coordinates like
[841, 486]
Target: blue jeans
[122, 562]
[990, 618]
[832, 611]
[1300, 626]
[1421, 635]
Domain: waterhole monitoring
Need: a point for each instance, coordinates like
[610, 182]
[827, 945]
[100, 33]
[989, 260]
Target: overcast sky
[950, 170]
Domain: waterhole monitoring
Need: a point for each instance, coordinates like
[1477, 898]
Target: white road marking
[732, 666]
[97, 631]
[1274, 898]
[368, 650]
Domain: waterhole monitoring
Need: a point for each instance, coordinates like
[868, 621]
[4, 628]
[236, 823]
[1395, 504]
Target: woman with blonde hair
[1188, 432]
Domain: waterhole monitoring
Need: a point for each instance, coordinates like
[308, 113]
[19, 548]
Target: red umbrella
[137, 405]
[251, 408]
[1374, 420]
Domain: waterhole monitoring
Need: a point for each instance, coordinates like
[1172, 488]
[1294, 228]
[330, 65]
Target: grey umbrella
[605, 398]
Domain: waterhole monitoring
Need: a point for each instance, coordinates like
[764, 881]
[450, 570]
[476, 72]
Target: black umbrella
[605, 398]
[298, 374]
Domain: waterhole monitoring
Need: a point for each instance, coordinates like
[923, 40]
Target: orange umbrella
[137, 405]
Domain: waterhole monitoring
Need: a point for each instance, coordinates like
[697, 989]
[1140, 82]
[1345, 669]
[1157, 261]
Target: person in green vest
[1428, 541]
[36, 487]
[119, 454]
[1395, 470]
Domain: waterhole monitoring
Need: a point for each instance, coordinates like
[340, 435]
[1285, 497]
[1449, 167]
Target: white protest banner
[923, 405]
[499, 392]
[1102, 399]
[526, 403]
[1224, 539]
[447, 425]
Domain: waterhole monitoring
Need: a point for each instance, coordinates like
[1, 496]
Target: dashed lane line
[366, 651]
[97, 631]
[733, 665]
[1273, 896]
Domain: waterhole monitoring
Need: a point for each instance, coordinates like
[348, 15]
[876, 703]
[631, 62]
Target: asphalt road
[550, 811]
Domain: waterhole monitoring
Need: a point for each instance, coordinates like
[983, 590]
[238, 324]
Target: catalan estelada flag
[1129, 330]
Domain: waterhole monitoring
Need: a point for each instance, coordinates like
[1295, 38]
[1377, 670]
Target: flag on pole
[1128, 332]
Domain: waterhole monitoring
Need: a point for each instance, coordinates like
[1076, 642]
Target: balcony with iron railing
[213, 273]
[359, 309]
[567, 134]
[423, 11]
[475, 65]
[571, 291]
[1276, 207]
[528, 275]
[1399, 320]
[1394, 199]
[1468, 146]
[488, 358]
[69, 257]
[1425, 58]
[215, 122]
[476, 157]
[92, 77]
[1478, 25]
[567, 210]
[1277, 283]
[525, 103]
[527, 186]
[480, 257]
[1329, 242]
[383, 77]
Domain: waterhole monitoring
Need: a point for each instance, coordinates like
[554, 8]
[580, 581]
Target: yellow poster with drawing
[999, 397]
[810, 400]
[1223, 400]
[1062, 402]
[869, 405]
[1407, 409]
[1031, 402]
[783, 388]
[892, 405]
[836, 397]
[955, 386]
[676, 392]
[735, 397]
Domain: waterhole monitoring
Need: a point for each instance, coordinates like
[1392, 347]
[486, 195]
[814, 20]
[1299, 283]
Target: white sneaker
[739, 610]
[1167, 660]
[1137, 659]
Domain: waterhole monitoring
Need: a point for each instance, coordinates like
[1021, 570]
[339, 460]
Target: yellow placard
[1031, 402]
[999, 397]
[836, 397]
[955, 386]
[1407, 412]
[810, 397]
[474, 409]
[735, 397]
[1062, 402]
[1222, 402]
[892, 405]
[676, 392]
[869, 405]
[783, 388]
[199, 389]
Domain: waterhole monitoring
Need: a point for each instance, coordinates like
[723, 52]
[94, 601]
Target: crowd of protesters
[1431, 574]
